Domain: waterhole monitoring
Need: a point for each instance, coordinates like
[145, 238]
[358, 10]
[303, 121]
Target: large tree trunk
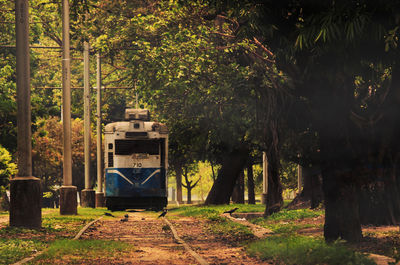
[179, 171]
[340, 158]
[339, 163]
[341, 206]
[380, 196]
[222, 188]
[274, 195]
[238, 190]
[250, 184]
[311, 195]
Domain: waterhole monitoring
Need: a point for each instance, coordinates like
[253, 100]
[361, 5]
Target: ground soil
[153, 243]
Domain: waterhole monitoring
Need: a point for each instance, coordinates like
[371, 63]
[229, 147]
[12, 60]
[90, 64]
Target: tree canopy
[310, 82]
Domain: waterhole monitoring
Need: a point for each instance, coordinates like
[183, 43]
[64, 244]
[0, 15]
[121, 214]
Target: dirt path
[153, 243]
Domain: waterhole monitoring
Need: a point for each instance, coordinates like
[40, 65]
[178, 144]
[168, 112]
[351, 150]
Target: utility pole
[68, 200]
[25, 190]
[88, 194]
[265, 179]
[99, 192]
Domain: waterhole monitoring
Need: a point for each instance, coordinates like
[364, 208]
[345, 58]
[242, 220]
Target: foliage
[206, 179]
[289, 175]
[305, 250]
[47, 151]
[7, 168]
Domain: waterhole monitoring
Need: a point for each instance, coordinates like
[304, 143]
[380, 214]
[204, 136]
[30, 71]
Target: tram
[136, 160]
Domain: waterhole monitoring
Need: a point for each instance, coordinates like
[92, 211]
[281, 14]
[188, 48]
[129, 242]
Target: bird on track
[231, 211]
[126, 215]
[109, 214]
[162, 214]
[124, 220]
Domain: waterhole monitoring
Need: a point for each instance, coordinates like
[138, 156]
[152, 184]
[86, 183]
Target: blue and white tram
[136, 159]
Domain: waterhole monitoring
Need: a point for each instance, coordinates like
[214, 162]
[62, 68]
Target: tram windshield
[129, 147]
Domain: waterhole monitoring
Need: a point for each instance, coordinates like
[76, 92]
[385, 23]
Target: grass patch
[205, 211]
[52, 221]
[289, 215]
[233, 232]
[218, 225]
[17, 242]
[288, 228]
[285, 221]
[12, 250]
[76, 249]
[305, 250]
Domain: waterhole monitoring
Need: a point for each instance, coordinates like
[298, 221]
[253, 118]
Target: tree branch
[224, 34]
[259, 44]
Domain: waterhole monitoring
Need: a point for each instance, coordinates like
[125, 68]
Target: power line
[59, 48]
[32, 47]
[81, 87]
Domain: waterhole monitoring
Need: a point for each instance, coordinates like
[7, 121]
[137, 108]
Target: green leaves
[7, 168]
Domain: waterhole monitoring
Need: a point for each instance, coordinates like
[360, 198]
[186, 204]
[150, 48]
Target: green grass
[53, 221]
[233, 232]
[288, 228]
[201, 210]
[17, 243]
[88, 249]
[13, 250]
[289, 215]
[305, 250]
[284, 222]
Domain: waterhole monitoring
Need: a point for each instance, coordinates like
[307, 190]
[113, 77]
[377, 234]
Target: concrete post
[265, 179]
[99, 193]
[68, 198]
[25, 190]
[88, 194]
[299, 179]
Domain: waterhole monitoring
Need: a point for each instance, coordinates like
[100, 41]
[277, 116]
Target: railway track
[160, 241]
[155, 240]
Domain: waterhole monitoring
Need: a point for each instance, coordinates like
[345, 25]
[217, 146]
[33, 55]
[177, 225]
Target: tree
[250, 184]
[189, 184]
[238, 189]
[191, 67]
[322, 46]
[7, 170]
[47, 153]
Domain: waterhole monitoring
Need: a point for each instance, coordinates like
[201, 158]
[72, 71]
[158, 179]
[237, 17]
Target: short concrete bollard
[88, 198]
[68, 200]
[25, 203]
[100, 200]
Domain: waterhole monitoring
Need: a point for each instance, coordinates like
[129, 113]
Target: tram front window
[129, 147]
